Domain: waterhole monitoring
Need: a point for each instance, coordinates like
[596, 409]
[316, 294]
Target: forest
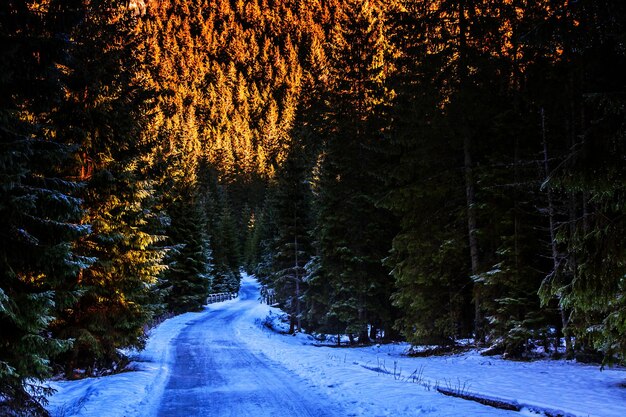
[422, 170]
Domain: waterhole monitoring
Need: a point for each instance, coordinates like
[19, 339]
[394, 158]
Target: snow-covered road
[224, 362]
[215, 374]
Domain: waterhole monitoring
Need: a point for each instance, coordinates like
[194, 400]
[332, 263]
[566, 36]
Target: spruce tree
[39, 210]
[588, 281]
[106, 116]
[189, 261]
[291, 245]
[226, 254]
[351, 230]
[426, 194]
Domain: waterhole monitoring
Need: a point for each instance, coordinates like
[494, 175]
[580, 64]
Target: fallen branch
[502, 405]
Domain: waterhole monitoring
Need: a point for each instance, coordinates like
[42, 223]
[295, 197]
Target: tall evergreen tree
[290, 243]
[106, 116]
[227, 252]
[39, 210]
[188, 277]
[426, 194]
[350, 229]
[588, 281]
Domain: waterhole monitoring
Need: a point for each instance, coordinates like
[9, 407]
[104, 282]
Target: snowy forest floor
[378, 380]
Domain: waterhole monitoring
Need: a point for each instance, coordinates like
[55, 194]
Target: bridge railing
[222, 296]
[268, 296]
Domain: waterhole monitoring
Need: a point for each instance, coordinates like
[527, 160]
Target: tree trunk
[373, 332]
[470, 193]
[555, 252]
[295, 269]
[473, 241]
[363, 336]
[390, 334]
[298, 318]
[292, 321]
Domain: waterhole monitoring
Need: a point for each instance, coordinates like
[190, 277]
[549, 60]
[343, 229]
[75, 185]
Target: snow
[369, 381]
[135, 393]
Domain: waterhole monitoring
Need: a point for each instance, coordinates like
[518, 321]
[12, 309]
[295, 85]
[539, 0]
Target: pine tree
[189, 261]
[426, 194]
[252, 240]
[291, 246]
[226, 253]
[106, 116]
[39, 210]
[350, 229]
[588, 281]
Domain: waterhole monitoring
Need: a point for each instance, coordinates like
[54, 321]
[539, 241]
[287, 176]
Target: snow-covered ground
[372, 381]
[135, 393]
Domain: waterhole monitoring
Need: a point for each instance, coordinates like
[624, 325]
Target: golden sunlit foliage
[232, 73]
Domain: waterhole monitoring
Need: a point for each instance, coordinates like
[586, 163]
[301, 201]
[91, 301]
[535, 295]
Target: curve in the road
[215, 374]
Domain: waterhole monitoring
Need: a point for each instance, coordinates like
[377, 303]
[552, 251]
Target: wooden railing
[222, 296]
[268, 296]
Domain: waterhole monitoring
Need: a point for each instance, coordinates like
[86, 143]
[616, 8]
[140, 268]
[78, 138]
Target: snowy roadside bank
[136, 393]
[366, 377]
